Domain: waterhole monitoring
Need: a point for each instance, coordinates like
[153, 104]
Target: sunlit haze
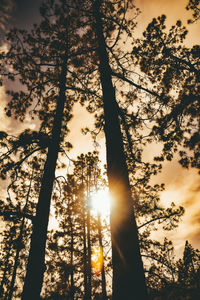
[100, 202]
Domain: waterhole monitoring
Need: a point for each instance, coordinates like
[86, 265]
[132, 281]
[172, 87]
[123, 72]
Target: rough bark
[36, 264]
[128, 273]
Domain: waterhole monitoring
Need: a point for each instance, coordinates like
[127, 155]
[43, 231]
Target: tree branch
[158, 218]
[8, 213]
[122, 77]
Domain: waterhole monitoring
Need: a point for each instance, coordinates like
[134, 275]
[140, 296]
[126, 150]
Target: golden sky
[173, 9]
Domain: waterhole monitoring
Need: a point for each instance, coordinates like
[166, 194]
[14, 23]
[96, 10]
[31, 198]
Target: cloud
[6, 9]
[5, 122]
[182, 186]
[184, 190]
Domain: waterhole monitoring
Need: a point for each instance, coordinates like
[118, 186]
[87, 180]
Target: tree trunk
[16, 261]
[83, 206]
[103, 277]
[36, 261]
[19, 245]
[128, 273]
[85, 257]
[89, 272]
[5, 269]
[72, 260]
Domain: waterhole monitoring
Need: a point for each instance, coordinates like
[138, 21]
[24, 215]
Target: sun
[100, 202]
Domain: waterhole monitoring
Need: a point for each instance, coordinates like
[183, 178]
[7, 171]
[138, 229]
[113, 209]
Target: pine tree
[50, 61]
[70, 208]
[172, 70]
[43, 73]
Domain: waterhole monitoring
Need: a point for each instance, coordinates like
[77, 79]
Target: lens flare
[97, 259]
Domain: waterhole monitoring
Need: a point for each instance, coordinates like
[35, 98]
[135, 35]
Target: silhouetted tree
[189, 268]
[39, 67]
[49, 61]
[194, 6]
[19, 242]
[184, 280]
[61, 253]
[18, 211]
[7, 237]
[128, 274]
[172, 70]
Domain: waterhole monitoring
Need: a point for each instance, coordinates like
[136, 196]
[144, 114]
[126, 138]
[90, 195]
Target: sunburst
[100, 202]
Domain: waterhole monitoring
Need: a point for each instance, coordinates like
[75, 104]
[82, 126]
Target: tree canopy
[140, 91]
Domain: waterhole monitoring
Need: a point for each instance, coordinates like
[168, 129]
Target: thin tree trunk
[103, 277]
[36, 261]
[72, 261]
[18, 245]
[85, 258]
[5, 270]
[87, 248]
[89, 272]
[128, 273]
[11, 288]
[84, 240]
[89, 254]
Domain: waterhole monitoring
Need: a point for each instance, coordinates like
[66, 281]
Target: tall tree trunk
[72, 260]
[85, 257]
[19, 241]
[85, 278]
[103, 277]
[89, 271]
[5, 269]
[36, 261]
[128, 273]
[89, 254]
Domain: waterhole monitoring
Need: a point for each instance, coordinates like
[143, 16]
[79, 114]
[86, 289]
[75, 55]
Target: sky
[23, 12]
[182, 185]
